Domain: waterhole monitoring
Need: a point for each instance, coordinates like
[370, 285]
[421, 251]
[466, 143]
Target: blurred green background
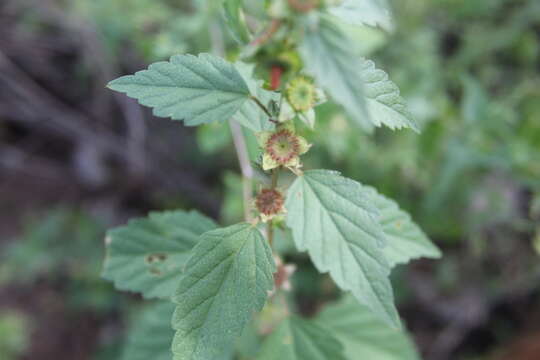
[76, 159]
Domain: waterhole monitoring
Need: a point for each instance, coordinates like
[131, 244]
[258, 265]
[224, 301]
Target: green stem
[260, 104]
[270, 224]
[275, 178]
[245, 166]
[270, 232]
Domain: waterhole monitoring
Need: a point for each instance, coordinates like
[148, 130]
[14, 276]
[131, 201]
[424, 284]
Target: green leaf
[329, 56]
[227, 279]
[250, 114]
[194, 89]
[151, 334]
[365, 92]
[385, 104]
[333, 219]
[364, 12]
[299, 339]
[249, 343]
[148, 255]
[363, 335]
[405, 240]
[234, 18]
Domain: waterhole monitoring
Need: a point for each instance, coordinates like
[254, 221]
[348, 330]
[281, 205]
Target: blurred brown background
[76, 158]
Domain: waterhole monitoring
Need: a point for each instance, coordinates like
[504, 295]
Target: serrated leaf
[405, 240]
[250, 114]
[385, 104]
[364, 12]
[151, 334]
[333, 219]
[363, 335]
[148, 255]
[299, 339]
[366, 93]
[329, 56]
[234, 18]
[194, 89]
[226, 281]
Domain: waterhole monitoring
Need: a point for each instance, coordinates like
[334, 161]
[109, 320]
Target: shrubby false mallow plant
[215, 281]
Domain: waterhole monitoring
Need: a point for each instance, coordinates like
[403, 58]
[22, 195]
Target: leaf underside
[196, 89]
[405, 240]
[384, 102]
[366, 93]
[328, 55]
[226, 280]
[364, 12]
[236, 24]
[150, 335]
[363, 335]
[300, 339]
[333, 219]
[148, 255]
[250, 114]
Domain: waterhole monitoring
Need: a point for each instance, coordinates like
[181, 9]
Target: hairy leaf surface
[234, 17]
[363, 335]
[364, 12]
[330, 57]
[250, 114]
[366, 93]
[405, 240]
[385, 104]
[194, 89]
[148, 255]
[151, 334]
[299, 339]
[226, 281]
[333, 219]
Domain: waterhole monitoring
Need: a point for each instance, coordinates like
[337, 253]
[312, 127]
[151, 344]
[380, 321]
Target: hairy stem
[245, 167]
[270, 232]
[261, 105]
[238, 136]
[275, 178]
[270, 224]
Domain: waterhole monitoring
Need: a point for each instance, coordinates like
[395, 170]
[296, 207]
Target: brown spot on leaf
[156, 258]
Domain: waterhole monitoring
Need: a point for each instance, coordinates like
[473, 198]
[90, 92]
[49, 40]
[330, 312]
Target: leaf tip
[415, 128]
[437, 253]
[113, 85]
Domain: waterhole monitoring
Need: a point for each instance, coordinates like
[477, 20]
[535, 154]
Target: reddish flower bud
[269, 202]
